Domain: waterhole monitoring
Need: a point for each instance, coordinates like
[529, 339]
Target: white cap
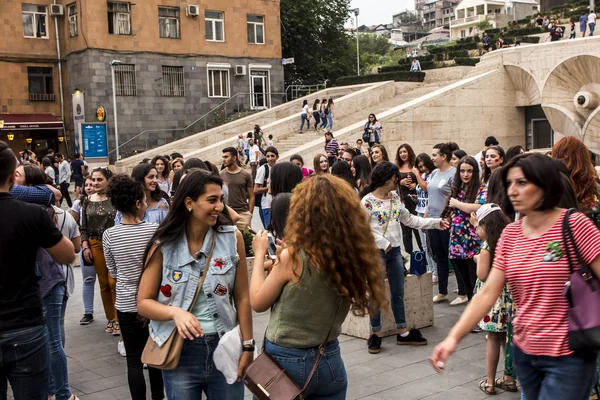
[486, 210]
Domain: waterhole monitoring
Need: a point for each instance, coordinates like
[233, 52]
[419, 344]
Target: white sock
[405, 334]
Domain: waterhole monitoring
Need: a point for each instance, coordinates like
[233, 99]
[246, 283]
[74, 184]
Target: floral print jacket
[464, 242]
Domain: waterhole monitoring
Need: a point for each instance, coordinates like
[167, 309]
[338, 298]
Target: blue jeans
[431, 266]
[323, 121]
[329, 382]
[24, 360]
[88, 274]
[304, 118]
[543, 377]
[265, 216]
[329, 121]
[592, 28]
[59, 374]
[394, 268]
[196, 373]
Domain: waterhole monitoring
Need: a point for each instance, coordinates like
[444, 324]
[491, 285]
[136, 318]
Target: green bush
[463, 46]
[523, 32]
[436, 50]
[403, 76]
[460, 53]
[408, 60]
[523, 21]
[492, 31]
[406, 67]
[467, 39]
[466, 61]
[476, 39]
[528, 39]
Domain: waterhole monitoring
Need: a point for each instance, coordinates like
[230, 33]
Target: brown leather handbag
[167, 356]
[266, 380]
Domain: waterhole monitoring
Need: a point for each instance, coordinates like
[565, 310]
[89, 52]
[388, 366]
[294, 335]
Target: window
[125, 80]
[72, 9]
[172, 82]
[119, 18]
[214, 26]
[256, 29]
[168, 22]
[34, 21]
[40, 84]
[218, 83]
[463, 34]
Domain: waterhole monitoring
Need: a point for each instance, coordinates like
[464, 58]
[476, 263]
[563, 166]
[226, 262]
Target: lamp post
[356, 12]
[114, 94]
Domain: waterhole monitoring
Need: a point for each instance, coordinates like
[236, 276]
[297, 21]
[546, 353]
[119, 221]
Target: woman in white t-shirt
[305, 116]
[47, 164]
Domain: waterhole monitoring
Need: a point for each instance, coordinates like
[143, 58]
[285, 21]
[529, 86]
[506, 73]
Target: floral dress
[464, 242]
[498, 318]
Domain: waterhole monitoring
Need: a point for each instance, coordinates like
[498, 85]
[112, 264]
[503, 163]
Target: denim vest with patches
[181, 275]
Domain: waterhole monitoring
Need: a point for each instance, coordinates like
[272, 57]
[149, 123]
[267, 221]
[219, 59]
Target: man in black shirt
[24, 351]
[78, 168]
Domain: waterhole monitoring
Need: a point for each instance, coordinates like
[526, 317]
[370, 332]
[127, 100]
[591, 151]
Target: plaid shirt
[40, 194]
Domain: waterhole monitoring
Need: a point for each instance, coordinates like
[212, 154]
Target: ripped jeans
[88, 274]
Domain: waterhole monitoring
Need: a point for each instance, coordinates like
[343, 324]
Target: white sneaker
[434, 278]
[459, 301]
[121, 348]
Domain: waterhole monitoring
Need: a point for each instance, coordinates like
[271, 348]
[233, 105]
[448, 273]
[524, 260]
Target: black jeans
[407, 233]
[135, 335]
[439, 241]
[64, 190]
[466, 269]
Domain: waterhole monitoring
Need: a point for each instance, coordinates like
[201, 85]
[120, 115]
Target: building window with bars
[172, 82]
[168, 22]
[214, 24]
[72, 11]
[34, 21]
[125, 80]
[218, 83]
[256, 29]
[40, 84]
[119, 18]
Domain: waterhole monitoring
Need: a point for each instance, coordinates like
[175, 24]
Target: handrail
[199, 119]
[317, 86]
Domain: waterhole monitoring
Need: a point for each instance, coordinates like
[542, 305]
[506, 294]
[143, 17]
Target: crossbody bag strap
[321, 349]
[584, 269]
[199, 288]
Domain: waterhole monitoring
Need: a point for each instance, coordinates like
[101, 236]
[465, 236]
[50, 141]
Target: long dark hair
[174, 224]
[280, 209]
[285, 176]
[139, 175]
[470, 188]
[411, 155]
[317, 101]
[494, 223]
[165, 173]
[384, 153]
[363, 169]
[487, 171]
[497, 194]
[383, 172]
[341, 169]
[426, 160]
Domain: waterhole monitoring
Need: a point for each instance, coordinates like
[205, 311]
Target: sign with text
[286, 61]
[78, 118]
[94, 140]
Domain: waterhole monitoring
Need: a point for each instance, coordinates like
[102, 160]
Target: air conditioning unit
[57, 9]
[192, 11]
[240, 70]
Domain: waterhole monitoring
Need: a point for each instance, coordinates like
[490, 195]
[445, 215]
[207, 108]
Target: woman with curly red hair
[316, 280]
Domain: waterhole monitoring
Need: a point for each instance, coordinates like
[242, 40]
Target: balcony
[474, 19]
[42, 97]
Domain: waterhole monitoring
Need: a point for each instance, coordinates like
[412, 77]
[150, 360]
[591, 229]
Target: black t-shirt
[25, 228]
[76, 167]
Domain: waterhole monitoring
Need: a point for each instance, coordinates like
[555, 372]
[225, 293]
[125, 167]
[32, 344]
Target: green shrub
[408, 60]
[436, 50]
[523, 32]
[528, 39]
[492, 31]
[476, 39]
[460, 53]
[403, 76]
[466, 61]
[464, 46]
[524, 21]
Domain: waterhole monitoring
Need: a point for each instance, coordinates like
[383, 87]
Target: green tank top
[302, 315]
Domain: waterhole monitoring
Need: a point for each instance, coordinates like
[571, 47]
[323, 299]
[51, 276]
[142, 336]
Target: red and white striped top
[536, 271]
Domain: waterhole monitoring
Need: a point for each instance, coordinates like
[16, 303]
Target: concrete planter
[418, 305]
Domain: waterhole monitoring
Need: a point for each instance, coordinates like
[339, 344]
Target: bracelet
[248, 348]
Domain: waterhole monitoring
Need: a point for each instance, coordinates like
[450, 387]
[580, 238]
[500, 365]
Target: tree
[373, 43]
[408, 17]
[483, 25]
[313, 33]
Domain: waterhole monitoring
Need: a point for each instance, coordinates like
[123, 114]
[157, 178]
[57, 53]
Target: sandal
[116, 329]
[484, 386]
[109, 327]
[507, 386]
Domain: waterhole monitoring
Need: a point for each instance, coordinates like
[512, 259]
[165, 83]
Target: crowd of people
[166, 244]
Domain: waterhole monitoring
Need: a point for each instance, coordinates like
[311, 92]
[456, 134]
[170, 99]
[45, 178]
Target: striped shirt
[536, 271]
[332, 147]
[124, 247]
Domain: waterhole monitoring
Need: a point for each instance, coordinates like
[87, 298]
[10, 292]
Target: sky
[373, 12]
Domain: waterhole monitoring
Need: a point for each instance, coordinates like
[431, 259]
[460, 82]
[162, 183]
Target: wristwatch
[250, 342]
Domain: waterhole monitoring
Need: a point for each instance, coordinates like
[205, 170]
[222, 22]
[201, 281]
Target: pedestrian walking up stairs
[228, 132]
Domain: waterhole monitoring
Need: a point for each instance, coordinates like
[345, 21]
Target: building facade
[437, 13]
[173, 61]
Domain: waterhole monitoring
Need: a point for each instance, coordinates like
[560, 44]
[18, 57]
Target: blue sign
[94, 140]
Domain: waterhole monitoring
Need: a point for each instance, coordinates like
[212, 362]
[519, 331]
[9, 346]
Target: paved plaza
[98, 372]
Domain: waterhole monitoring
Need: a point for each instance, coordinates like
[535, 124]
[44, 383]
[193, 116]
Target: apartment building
[173, 62]
[437, 13]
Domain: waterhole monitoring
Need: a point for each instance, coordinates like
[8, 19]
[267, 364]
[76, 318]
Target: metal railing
[238, 106]
[293, 92]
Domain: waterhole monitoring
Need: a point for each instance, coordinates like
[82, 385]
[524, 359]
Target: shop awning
[30, 122]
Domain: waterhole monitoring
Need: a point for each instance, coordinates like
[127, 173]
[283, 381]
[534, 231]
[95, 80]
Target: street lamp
[356, 12]
[112, 75]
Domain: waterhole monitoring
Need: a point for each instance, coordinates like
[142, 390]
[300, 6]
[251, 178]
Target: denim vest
[181, 275]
